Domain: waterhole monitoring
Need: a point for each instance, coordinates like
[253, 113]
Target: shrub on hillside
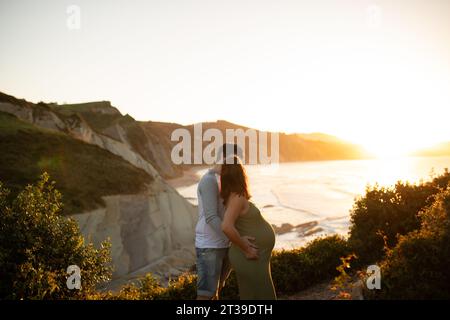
[297, 269]
[418, 266]
[384, 213]
[37, 245]
[149, 288]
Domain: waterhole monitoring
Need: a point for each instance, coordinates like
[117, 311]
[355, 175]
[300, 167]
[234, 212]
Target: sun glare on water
[391, 146]
[394, 160]
[389, 149]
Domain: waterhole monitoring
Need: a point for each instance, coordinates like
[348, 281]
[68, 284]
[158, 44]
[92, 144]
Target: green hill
[84, 172]
[99, 115]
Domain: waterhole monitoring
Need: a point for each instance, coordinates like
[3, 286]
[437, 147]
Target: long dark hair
[233, 179]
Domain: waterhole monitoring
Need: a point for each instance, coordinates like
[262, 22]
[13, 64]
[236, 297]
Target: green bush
[383, 213]
[418, 267]
[297, 269]
[149, 288]
[182, 288]
[37, 245]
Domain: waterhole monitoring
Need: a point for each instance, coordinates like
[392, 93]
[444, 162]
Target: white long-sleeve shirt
[208, 232]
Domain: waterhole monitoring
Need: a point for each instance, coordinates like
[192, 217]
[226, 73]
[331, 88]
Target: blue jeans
[213, 268]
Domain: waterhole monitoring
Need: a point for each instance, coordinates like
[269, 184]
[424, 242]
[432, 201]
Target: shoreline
[189, 178]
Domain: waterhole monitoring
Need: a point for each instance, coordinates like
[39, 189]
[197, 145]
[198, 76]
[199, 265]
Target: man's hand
[251, 251]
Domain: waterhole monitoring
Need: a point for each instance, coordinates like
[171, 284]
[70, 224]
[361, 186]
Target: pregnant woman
[242, 217]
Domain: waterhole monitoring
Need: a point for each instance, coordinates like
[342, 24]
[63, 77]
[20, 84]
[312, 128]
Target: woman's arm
[235, 206]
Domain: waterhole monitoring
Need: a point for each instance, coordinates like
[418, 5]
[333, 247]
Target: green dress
[253, 276]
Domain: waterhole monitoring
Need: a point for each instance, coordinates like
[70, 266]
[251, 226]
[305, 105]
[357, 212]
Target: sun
[389, 147]
[386, 150]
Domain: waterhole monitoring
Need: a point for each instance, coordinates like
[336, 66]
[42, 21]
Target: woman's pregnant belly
[264, 236]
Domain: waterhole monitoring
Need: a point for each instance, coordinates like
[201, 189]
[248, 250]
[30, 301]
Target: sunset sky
[375, 72]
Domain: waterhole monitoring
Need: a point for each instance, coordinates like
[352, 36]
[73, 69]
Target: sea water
[322, 193]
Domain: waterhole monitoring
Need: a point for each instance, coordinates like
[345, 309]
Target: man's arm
[209, 191]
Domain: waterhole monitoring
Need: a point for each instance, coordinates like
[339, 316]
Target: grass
[84, 173]
[84, 107]
[96, 120]
[10, 125]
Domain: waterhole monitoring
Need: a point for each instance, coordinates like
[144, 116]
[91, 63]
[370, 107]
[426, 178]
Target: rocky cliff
[151, 231]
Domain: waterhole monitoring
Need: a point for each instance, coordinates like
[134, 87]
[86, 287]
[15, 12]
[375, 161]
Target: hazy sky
[365, 70]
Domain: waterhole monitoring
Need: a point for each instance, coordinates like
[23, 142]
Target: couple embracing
[231, 232]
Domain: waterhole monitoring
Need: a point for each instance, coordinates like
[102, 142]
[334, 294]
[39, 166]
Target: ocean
[318, 195]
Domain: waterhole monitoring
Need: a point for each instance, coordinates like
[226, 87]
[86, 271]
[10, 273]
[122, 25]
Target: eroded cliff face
[149, 232]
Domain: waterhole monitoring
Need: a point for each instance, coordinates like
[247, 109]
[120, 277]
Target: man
[211, 244]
